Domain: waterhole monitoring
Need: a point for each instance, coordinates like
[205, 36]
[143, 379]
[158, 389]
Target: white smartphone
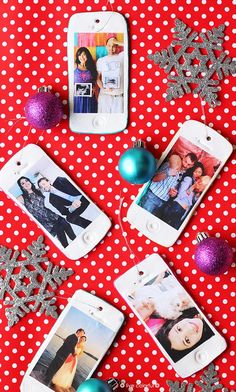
[48, 195]
[185, 171]
[170, 315]
[75, 346]
[98, 72]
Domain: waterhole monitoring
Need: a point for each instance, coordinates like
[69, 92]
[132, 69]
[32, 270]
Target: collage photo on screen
[98, 73]
[179, 183]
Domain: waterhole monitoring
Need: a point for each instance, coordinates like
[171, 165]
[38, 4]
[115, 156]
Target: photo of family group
[170, 314]
[49, 196]
[99, 73]
[72, 352]
[179, 182]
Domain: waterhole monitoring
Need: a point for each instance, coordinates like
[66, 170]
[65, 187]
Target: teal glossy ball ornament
[94, 385]
[137, 165]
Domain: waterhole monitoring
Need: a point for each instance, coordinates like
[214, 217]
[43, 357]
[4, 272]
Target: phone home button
[89, 237]
[153, 226]
[99, 122]
[201, 356]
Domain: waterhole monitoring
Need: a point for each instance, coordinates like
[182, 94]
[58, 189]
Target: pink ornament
[213, 255]
[44, 110]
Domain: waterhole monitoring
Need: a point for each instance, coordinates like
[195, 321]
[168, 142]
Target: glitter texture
[44, 110]
[213, 256]
[194, 68]
[32, 296]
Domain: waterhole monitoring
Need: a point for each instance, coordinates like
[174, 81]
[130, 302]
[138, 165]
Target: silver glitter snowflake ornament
[189, 60]
[26, 281]
[208, 382]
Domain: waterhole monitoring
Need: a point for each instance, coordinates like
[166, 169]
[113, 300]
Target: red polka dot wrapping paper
[33, 53]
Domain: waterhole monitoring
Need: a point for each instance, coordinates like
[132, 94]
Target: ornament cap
[44, 89]
[139, 144]
[113, 383]
[202, 235]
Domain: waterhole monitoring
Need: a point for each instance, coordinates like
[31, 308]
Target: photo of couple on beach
[178, 183]
[99, 73]
[50, 197]
[170, 315]
[73, 352]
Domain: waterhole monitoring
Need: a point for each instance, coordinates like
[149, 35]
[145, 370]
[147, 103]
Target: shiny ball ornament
[44, 110]
[94, 385]
[137, 165]
[213, 255]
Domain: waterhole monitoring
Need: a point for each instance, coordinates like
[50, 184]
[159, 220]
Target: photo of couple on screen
[72, 353]
[50, 197]
[98, 73]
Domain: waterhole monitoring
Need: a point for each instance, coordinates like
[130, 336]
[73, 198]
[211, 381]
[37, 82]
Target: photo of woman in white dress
[65, 375]
[72, 353]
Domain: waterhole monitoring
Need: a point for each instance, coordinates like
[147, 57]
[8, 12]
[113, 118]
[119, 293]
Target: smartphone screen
[98, 73]
[73, 351]
[170, 315]
[48, 195]
[179, 182]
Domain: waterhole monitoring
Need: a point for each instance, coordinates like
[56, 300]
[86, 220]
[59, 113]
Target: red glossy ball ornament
[213, 255]
[44, 110]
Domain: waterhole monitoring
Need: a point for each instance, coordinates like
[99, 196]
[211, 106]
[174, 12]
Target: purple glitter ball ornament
[44, 110]
[213, 255]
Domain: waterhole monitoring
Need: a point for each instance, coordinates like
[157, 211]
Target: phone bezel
[79, 300]
[196, 133]
[28, 156]
[112, 22]
[151, 267]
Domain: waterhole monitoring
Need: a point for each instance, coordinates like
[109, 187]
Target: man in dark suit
[63, 198]
[67, 348]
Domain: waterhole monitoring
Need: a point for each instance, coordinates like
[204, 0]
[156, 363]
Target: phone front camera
[97, 21]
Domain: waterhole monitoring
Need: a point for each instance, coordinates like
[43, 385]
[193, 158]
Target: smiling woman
[179, 337]
[85, 76]
[186, 333]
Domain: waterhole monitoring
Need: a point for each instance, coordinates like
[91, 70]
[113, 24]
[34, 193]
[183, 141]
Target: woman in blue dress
[85, 72]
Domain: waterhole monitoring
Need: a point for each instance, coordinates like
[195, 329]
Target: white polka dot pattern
[33, 52]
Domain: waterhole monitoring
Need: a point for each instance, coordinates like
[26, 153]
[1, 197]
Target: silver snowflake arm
[177, 87]
[213, 39]
[8, 262]
[54, 276]
[181, 30]
[21, 306]
[49, 308]
[208, 90]
[176, 386]
[209, 381]
[37, 249]
[168, 59]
